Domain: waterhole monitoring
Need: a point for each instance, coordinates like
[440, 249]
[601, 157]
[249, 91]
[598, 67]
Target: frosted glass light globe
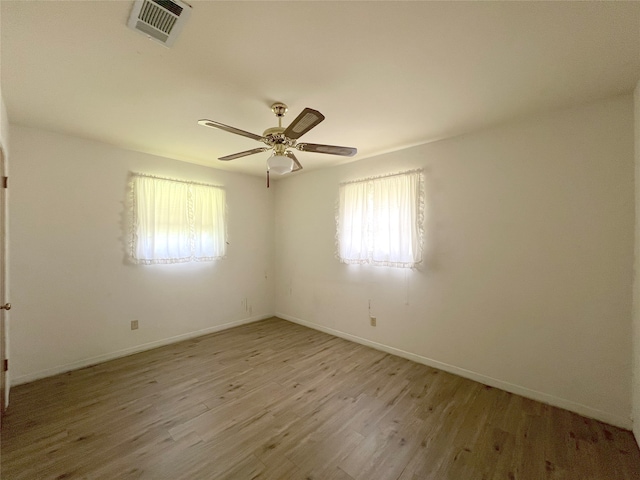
[279, 164]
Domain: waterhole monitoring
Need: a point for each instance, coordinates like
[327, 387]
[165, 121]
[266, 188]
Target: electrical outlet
[134, 324]
[373, 321]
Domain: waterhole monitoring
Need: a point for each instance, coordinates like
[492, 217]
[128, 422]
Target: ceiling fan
[282, 140]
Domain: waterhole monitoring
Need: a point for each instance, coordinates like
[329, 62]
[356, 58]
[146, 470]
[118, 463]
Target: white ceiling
[385, 74]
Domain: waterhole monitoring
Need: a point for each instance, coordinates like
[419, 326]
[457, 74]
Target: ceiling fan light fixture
[279, 164]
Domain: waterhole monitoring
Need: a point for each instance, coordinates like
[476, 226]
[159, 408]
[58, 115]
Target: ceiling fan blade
[227, 128]
[304, 122]
[233, 156]
[330, 149]
[295, 160]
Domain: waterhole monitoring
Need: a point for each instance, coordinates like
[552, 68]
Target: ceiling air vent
[160, 20]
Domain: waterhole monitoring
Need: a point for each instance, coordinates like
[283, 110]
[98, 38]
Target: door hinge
[5, 182]
[5, 365]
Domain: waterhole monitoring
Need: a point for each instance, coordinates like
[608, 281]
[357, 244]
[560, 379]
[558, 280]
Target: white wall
[74, 293]
[528, 281]
[636, 284]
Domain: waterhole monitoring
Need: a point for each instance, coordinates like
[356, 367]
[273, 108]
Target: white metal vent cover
[160, 20]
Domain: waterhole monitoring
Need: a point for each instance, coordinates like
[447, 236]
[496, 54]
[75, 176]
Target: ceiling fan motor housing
[274, 138]
[273, 131]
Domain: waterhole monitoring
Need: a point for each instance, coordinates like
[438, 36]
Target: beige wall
[528, 282]
[636, 285]
[73, 292]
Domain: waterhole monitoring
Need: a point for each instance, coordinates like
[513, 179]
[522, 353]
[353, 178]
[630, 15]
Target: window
[380, 220]
[175, 221]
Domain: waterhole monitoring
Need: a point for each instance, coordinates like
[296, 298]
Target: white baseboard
[131, 350]
[584, 410]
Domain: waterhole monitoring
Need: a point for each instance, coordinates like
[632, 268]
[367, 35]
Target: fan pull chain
[267, 178]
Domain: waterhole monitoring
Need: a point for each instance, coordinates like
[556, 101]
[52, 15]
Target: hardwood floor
[274, 400]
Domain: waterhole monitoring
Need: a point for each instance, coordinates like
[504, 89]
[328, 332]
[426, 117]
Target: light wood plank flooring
[274, 400]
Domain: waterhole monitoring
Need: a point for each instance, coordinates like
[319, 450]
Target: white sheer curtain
[174, 221]
[380, 220]
[209, 212]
